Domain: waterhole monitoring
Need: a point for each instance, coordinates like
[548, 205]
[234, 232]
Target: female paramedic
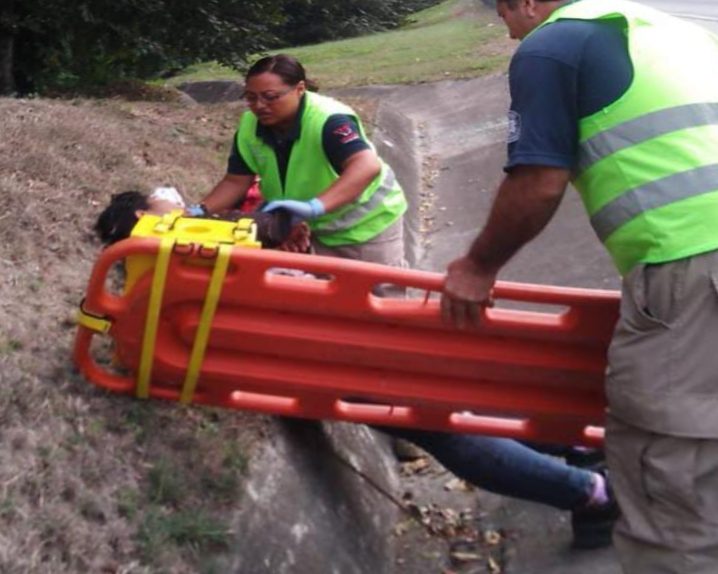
[314, 160]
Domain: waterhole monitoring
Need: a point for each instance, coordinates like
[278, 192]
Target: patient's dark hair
[116, 221]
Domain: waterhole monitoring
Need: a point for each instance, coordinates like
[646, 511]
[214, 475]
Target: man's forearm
[526, 201]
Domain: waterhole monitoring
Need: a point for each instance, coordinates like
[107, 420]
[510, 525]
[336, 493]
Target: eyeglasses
[266, 97]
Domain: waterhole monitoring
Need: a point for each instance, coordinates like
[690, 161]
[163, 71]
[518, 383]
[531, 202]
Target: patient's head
[117, 220]
[125, 209]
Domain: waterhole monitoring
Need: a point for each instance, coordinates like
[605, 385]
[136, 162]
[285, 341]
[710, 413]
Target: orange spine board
[329, 349]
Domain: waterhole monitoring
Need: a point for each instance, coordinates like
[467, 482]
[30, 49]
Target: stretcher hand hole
[273, 404]
[372, 413]
[468, 422]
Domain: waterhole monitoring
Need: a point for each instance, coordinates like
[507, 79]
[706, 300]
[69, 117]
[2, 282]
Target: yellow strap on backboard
[168, 221]
[153, 317]
[92, 322]
[214, 290]
[245, 231]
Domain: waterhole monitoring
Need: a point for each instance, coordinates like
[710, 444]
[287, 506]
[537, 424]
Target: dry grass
[90, 481]
[93, 482]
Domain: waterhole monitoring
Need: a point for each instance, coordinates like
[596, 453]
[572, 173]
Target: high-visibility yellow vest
[648, 163]
[310, 172]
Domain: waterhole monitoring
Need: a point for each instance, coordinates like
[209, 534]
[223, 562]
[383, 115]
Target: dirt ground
[91, 481]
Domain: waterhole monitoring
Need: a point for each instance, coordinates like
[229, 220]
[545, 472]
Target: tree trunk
[7, 79]
[8, 29]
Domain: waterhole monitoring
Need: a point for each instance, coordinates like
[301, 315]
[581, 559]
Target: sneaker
[593, 525]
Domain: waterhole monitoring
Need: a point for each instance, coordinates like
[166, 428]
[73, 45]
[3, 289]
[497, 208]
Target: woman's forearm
[357, 173]
[230, 191]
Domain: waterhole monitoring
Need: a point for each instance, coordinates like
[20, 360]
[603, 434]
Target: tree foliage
[64, 43]
[314, 21]
[50, 44]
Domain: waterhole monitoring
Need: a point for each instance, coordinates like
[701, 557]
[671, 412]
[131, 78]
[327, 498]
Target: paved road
[703, 12]
[697, 8]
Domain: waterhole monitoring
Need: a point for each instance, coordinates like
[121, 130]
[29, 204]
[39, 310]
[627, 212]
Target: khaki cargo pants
[667, 489]
[662, 430]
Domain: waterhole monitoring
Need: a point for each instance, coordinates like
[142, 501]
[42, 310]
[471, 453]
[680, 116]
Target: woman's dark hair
[117, 219]
[286, 67]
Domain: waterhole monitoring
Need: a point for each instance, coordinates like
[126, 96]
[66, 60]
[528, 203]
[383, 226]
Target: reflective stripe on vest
[653, 195]
[647, 165]
[643, 129]
[361, 210]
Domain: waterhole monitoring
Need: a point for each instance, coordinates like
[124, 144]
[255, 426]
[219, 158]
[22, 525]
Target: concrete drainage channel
[322, 497]
[319, 500]
[446, 143]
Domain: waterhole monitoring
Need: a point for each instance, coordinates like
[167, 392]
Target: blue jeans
[506, 466]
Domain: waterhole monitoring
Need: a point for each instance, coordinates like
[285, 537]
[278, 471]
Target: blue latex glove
[196, 210]
[299, 209]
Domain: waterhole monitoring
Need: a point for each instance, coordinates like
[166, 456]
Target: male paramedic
[622, 101]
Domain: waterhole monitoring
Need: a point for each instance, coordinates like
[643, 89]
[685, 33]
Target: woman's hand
[301, 210]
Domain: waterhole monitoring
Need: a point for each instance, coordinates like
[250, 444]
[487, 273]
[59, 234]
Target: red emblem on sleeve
[346, 133]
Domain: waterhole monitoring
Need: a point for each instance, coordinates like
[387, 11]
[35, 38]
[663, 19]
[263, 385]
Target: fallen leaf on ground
[457, 484]
[415, 466]
[492, 537]
[494, 566]
[466, 557]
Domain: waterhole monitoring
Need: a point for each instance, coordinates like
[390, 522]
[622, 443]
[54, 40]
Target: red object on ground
[253, 199]
[329, 349]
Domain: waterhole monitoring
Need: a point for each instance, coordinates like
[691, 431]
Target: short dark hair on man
[117, 219]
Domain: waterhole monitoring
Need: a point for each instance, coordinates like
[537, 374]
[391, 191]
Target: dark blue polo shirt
[340, 140]
[561, 73]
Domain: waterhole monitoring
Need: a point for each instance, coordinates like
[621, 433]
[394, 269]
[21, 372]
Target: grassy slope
[455, 39]
[90, 481]
[450, 40]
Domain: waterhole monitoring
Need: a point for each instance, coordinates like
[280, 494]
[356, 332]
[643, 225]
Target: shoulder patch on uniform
[514, 126]
[346, 133]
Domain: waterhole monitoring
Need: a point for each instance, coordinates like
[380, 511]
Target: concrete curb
[318, 501]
